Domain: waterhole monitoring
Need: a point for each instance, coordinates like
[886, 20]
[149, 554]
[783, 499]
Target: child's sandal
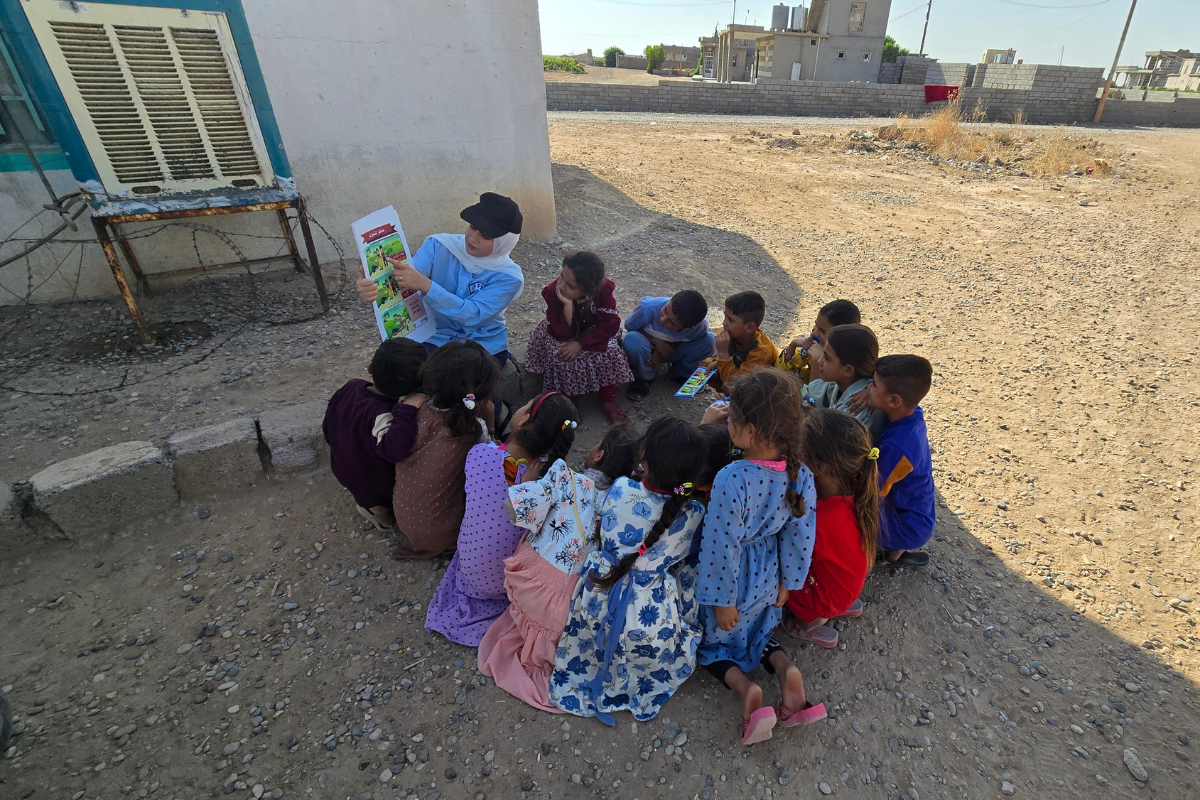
[758, 727]
[614, 413]
[855, 610]
[822, 635]
[805, 716]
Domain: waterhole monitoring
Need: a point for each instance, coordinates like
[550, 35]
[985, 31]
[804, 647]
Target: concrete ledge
[293, 434]
[215, 458]
[100, 491]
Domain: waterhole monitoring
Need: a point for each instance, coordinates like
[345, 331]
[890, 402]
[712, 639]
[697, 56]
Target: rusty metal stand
[104, 223]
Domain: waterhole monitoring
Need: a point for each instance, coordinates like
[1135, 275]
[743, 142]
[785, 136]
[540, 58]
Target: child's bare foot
[751, 700]
[791, 685]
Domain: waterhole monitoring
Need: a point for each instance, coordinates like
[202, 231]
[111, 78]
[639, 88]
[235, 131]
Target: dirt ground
[264, 644]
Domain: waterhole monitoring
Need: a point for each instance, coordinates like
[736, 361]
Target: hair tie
[469, 402]
[570, 423]
[873, 455]
[641, 551]
[684, 489]
[794, 487]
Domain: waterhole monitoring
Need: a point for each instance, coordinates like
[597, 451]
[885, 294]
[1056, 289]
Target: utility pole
[1112, 72]
[1062, 53]
[928, 10]
[729, 58]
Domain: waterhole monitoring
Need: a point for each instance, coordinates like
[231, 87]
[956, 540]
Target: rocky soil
[263, 645]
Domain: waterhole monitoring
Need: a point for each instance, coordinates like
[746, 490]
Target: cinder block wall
[1061, 99]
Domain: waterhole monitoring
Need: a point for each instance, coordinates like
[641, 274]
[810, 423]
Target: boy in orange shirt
[742, 347]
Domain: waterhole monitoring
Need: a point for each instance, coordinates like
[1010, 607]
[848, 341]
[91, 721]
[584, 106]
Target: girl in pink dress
[471, 594]
[558, 511]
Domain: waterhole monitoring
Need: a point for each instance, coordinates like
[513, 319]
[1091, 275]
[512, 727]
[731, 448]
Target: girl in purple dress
[471, 594]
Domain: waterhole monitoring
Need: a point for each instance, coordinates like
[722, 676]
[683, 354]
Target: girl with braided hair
[837, 448]
[471, 594]
[631, 637]
[757, 543]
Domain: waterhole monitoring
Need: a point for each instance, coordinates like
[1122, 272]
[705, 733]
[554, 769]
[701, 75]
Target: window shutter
[157, 94]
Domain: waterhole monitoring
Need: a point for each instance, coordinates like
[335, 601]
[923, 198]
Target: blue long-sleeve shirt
[907, 494]
[646, 316]
[465, 305]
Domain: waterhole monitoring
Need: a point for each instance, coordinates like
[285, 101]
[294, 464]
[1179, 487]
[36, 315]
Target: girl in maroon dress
[576, 348]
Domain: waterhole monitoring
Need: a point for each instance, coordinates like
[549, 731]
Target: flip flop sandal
[822, 635]
[758, 727]
[615, 415]
[380, 523]
[911, 558]
[805, 716]
[855, 610]
[638, 390]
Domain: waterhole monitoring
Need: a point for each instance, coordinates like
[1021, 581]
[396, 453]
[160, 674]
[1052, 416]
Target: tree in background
[655, 56]
[610, 56]
[892, 50]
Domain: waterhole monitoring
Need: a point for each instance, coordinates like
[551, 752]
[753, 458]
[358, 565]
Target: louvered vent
[164, 103]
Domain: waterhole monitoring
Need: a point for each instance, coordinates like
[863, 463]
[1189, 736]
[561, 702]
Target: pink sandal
[805, 716]
[758, 727]
[614, 413]
[855, 610]
[822, 635]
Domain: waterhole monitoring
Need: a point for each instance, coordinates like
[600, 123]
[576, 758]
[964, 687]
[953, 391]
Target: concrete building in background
[1164, 69]
[357, 104]
[1008, 56]
[717, 56]
[841, 41]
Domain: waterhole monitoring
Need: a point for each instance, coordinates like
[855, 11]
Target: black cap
[494, 215]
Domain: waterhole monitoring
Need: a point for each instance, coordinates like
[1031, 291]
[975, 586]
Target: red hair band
[533, 411]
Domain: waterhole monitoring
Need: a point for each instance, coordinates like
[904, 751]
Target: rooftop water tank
[799, 18]
[780, 16]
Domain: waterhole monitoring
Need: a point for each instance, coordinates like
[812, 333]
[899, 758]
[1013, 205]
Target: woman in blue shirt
[467, 281]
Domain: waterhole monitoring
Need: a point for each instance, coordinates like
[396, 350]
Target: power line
[1054, 8]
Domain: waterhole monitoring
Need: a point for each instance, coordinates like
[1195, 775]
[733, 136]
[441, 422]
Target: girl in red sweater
[837, 448]
[575, 348]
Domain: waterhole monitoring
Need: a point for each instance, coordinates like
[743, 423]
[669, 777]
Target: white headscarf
[498, 261]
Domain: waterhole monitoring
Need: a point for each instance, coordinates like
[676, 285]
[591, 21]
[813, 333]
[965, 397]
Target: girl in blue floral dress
[757, 546]
[632, 634]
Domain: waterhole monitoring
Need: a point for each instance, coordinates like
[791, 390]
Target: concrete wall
[422, 104]
[784, 98]
[631, 62]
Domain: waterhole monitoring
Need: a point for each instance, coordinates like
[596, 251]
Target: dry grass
[943, 133]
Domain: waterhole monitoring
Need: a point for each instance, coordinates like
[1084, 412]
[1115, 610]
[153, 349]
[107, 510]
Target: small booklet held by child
[693, 385]
[398, 312]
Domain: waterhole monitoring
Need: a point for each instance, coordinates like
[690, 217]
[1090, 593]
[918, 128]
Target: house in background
[1164, 69]
[717, 53]
[840, 40]
[354, 105]
[1008, 56]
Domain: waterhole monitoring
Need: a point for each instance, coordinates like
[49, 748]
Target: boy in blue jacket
[670, 330]
[906, 490]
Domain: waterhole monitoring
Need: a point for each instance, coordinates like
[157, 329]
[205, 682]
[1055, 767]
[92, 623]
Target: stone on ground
[99, 491]
[293, 434]
[215, 458]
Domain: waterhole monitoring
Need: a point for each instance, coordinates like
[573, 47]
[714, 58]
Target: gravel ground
[264, 644]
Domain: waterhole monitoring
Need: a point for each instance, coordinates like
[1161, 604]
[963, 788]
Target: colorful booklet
[693, 385]
[398, 312]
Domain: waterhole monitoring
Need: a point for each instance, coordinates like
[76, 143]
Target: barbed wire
[182, 317]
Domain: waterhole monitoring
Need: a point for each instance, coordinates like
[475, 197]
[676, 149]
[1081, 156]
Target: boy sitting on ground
[671, 330]
[802, 352]
[741, 345]
[906, 491]
[371, 426]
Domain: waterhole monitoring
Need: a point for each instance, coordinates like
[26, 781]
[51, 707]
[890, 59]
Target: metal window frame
[27, 53]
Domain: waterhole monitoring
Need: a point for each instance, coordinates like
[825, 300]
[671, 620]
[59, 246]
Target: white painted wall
[422, 104]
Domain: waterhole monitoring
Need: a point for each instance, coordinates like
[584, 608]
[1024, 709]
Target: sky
[1079, 32]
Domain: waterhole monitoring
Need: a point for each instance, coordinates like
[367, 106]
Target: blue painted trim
[40, 82]
[28, 54]
[19, 162]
